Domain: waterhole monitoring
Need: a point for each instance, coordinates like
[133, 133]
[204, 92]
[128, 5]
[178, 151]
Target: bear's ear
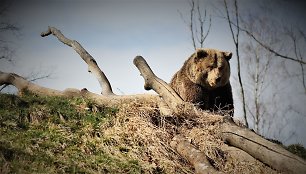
[227, 55]
[201, 53]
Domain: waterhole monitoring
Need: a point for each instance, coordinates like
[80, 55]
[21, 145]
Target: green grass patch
[296, 149]
[56, 135]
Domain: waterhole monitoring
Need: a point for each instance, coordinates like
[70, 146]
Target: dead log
[265, 151]
[24, 85]
[197, 158]
[91, 62]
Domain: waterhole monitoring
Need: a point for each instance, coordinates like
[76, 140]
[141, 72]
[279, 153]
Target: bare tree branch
[33, 79]
[191, 24]
[297, 52]
[6, 53]
[264, 45]
[4, 26]
[197, 21]
[236, 42]
[172, 99]
[202, 20]
[276, 53]
[270, 49]
[92, 64]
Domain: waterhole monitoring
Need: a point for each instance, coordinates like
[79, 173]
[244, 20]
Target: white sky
[114, 32]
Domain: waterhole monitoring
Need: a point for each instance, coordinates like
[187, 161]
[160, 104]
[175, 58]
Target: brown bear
[204, 80]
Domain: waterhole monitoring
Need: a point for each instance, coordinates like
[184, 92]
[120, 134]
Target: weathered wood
[91, 62]
[197, 158]
[104, 100]
[265, 151]
[22, 84]
[172, 99]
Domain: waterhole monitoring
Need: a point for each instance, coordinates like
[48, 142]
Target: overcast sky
[114, 32]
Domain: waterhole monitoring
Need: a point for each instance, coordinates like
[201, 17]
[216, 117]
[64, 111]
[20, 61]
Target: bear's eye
[197, 59]
[210, 67]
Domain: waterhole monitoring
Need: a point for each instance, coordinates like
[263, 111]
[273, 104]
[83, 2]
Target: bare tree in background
[6, 28]
[273, 60]
[235, 31]
[259, 66]
[296, 34]
[298, 39]
[198, 21]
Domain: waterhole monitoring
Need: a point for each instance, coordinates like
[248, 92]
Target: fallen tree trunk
[268, 153]
[23, 85]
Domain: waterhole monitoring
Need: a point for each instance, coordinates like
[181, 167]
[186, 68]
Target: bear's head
[209, 68]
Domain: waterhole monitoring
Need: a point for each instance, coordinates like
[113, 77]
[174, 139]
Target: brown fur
[204, 80]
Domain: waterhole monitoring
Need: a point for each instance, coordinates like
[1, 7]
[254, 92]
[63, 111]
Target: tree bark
[197, 158]
[172, 99]
[91, 62]
[265, 151]
[23, 85]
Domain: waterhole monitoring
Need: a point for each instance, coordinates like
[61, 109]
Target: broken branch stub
[172, 99]
[197, 158]
[91, 62]
[24, 85]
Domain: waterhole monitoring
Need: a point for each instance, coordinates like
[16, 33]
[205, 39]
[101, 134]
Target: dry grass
[147, 135]
[135, 137]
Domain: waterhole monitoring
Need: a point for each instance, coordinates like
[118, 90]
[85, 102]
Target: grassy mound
[58, 135]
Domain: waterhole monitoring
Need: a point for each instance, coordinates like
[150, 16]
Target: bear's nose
[218, 79]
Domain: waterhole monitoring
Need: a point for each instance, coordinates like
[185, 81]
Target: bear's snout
[218, 79]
